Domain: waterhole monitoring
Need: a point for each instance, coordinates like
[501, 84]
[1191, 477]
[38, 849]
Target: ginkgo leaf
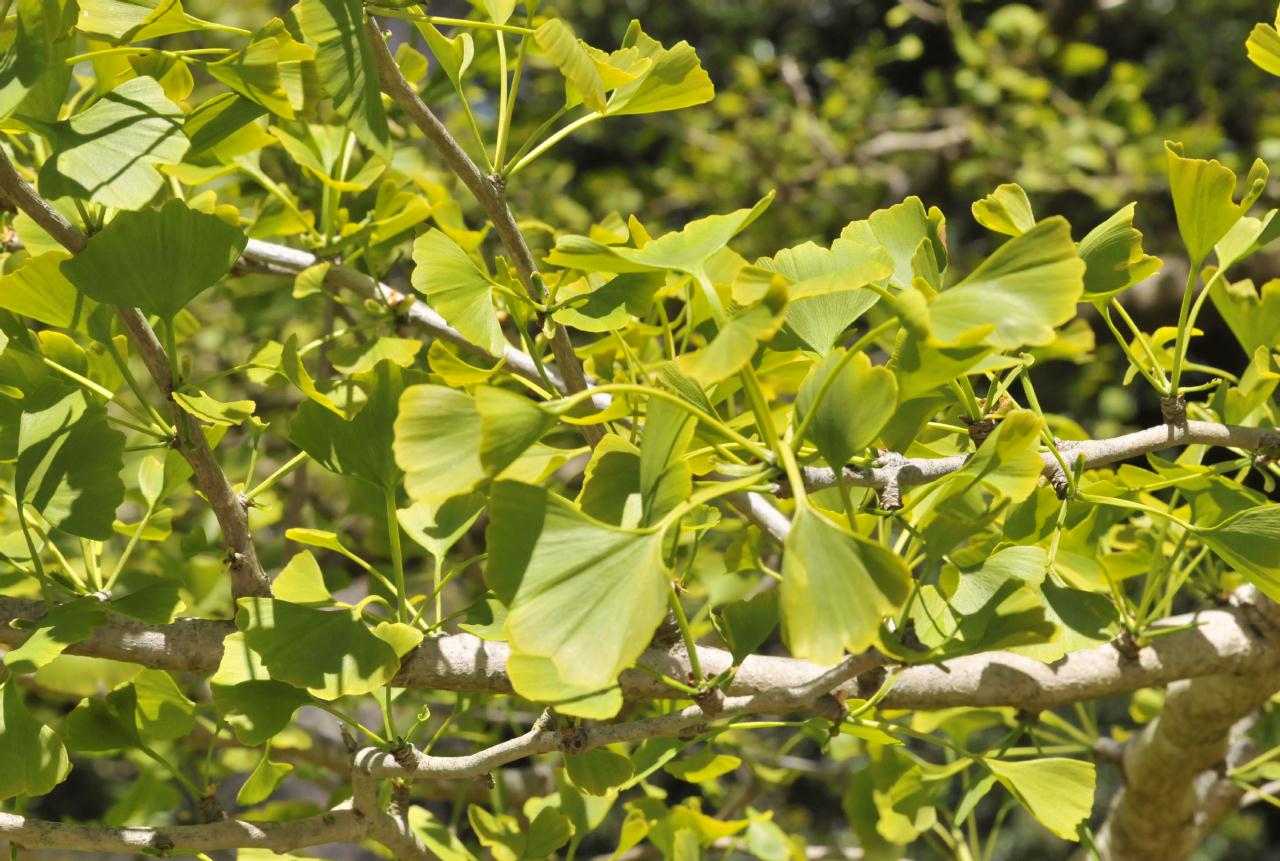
[29, 52]
[454, 55]
[687, 250]
[135, 20]
[1113, 256]
[857, 400]
[836, 587]
[156, 260]
[264, 70]
[69, 461]
[359, 447]
[38, 289]
[344, 62]
[331, 653]
[563, 48]
[672, 79]
[736, 342]
[1056, 791]
[1263, 47]
[584, 595]
[598, 771]
[263, 780]
[903, 230]
[1249, 541]
[34, 758]
[1027, 287]
[816, 271]
[109, 152]
[1005, 210]
[252, 703]
[1204, 198]
[455, 287]
[448, 442]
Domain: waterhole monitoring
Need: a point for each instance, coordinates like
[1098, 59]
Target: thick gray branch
[336, 826]
[1171, 769]
[1224, 641]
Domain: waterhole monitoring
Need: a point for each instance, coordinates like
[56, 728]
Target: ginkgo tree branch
[489, 192]
[1205, 643]
[895, 471]
[283, 260]
[690, 721]
[340, 825]
[247, 576]
[1173, 768]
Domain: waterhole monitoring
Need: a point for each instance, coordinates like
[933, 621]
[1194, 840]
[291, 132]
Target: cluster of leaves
[713, 375]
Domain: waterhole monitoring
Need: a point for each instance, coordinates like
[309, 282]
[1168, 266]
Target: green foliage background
[842, 109]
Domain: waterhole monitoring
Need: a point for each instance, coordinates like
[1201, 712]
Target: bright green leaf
[456, 288]
[836, 587]
[1005, 210]
[345, 64]
[1203, 199]
[1056, 791]
[858, 401]
[584, 595]
[1027, 287]
[34, 759]
[156, 260]
[109, 152]
[330, 653]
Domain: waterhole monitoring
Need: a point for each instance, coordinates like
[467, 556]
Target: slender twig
[247, 576]
[490, 192]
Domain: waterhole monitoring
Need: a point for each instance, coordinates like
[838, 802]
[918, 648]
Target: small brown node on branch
[405, 755]
[1027, 715]
[831, 708]
[348, 740]
[711, 701]
[980, 429]
[1173, 409]
[487, 780]
[869, 682]
[694, 731]
[161, 843]
[573, 740]
[211, 810]
[1127, 644]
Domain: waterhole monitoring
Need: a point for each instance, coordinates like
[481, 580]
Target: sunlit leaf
[1005, 210]
[34, 759]
[344, 62]
[1027, 287]
[584, 595]
[156, 260]
[456, 287]
[1113, 256]
[1056, 791]
[109, 152]
[836, 587]
[330, 653]
[857, 403]
[69, 461]
[1204, 198]
[566, 52]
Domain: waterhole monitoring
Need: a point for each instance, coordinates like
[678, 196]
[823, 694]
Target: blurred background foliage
[846, 106]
